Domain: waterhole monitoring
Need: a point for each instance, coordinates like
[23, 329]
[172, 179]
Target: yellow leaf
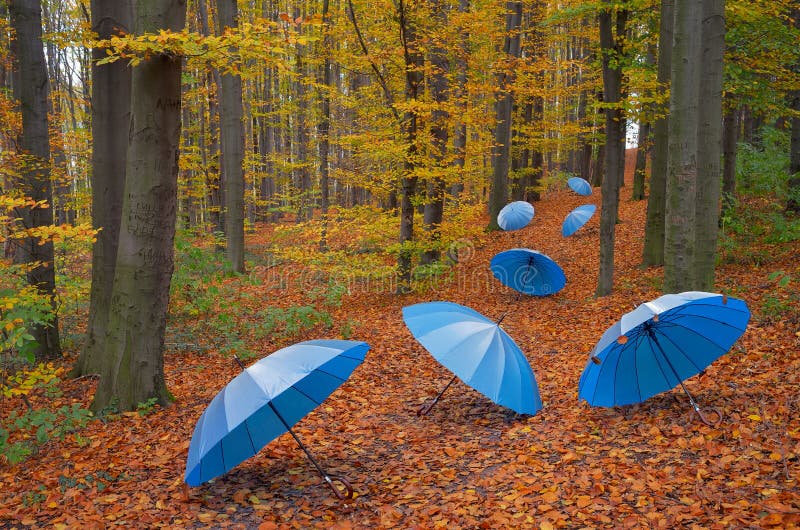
[754, 417]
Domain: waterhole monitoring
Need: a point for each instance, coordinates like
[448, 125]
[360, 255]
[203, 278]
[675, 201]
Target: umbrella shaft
[296, 439]
[674, 372]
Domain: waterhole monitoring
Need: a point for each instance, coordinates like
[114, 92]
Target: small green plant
[147, 407]
[782, 299]
[33, 498]
[290, 321]
[331, 295]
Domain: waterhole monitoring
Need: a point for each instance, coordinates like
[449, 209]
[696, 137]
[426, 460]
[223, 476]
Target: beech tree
[31, 90]
[140, 293]
[111, 96]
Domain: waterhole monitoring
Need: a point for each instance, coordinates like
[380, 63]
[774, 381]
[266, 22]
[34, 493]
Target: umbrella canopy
[577, 218]
[477, 351]
[580, 186]
[515, 215]
[528, 271]
[265, 400]
[658, 345]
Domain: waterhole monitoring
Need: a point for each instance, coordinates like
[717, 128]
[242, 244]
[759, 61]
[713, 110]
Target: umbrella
[579, 186]
[528, 271]
[660, 344]
[577, 218]
[264, 401]
[477, 351]
[515, 215]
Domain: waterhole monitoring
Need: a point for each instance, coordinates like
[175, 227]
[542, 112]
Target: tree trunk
[414, 61]
[232, 140]
[460, 97]
[730, 139]
[140, 296]
[640, 173]
[324, 125]
[793, 202]
[498, 194]
[612, 33]
[653, 253]
[709, 143]
[111, 96]
[680, 227]
[434, 206]
[31, 90]
[214, 173]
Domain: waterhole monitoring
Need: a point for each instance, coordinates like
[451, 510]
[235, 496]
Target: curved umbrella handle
[705, 419]
[342, 495]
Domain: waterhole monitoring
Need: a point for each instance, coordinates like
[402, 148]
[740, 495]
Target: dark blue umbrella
[577, 218]
[477, 351]
[579, 186]
[515, 215]
[660, 344]
[528, 271]
[264, 401]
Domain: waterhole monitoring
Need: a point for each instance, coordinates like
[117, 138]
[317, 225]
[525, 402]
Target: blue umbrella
[579, 186]
[528, 271]
[515, 215]
[477, 351]
[658, 345]
[264, 401]
[577, 218]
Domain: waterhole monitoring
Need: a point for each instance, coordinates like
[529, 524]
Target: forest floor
[468, 464]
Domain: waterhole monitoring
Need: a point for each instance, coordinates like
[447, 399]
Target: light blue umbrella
[660, 344]
[477, 351]
[528, 271]
[264, 401]
[577, 218]
[580, 186]
[515, 215]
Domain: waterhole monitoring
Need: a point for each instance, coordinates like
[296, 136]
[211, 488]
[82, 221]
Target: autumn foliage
[469, 463]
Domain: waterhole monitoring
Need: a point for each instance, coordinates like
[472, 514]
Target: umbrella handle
[348, 489]
[425, 408]
[705, 419]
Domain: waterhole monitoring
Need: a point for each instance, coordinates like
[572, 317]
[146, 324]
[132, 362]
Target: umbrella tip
[622, 339]
[595, 359]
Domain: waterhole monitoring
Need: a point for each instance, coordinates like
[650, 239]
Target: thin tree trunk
[793, 202]
[324, 125]
[434, 206]
[680, 227]
[653, 253]
[111, 96]
[640, 173]
[611, 47]
[709, 143]
[140, 296]
[730, 139]
[498, 194]
[31, 90]
[232, 139]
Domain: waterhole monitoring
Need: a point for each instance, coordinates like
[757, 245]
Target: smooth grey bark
[31, 89]
[709, 143]
[414, 61]
[434, 205]
[504, 104]
[232, 141]
[460, 96]
[612, 33]
[325, 79]
[793, 201]
[680, 227]
[111, 97]
[653, 253]
[730, 139]
[140, 295]
[215, 180]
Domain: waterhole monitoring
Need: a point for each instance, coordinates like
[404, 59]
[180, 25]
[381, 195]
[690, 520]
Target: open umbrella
[660, 344]
[579, 186]
[515, 215]
[528, 271]
[264, 401]
[577, 218]
[477, 351]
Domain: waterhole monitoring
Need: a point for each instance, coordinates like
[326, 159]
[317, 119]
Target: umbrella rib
[673, 317]
[666, 337]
